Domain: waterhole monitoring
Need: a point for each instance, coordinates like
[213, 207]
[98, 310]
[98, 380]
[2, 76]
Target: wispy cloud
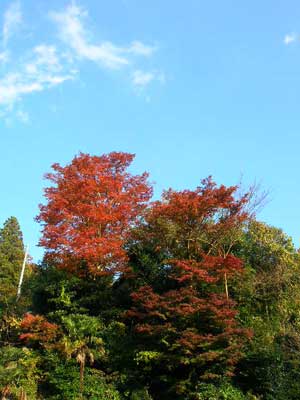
[23, 116]
[140, 48]
[44, 65]
[45, 59]
[41, 71]
[141, 79]
[11, 21]
[74, 34]
[3, 57]
[289, 38]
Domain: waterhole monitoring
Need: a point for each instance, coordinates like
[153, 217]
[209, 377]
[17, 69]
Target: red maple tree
[37, 330]
[190, 319]
[91, 206]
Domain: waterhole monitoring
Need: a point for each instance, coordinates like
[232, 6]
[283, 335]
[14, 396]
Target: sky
[193, 88]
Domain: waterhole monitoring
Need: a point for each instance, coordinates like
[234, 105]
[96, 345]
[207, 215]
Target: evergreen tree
[11, 258]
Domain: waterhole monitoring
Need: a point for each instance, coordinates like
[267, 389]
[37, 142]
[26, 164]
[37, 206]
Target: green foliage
[269, 303]
[145, 357]
[62, 382]
[53, 291]
[273, 266]
[140, 394]
[163, 329]
[222, 392]
[58, 292]
[19, 371]
[11, 258]
[11, 241]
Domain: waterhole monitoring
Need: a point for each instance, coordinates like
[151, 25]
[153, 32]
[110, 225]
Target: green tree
[11, 258]
[269, 303]
[82, 341]
[18, 372]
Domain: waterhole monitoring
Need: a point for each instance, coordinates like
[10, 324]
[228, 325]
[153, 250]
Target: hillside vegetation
[189, 297]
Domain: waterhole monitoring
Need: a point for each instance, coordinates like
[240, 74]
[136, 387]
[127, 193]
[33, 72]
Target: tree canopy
[91, 206]
[189, 297]
[11, 258]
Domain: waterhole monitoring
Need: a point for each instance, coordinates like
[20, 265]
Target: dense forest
[188, 297]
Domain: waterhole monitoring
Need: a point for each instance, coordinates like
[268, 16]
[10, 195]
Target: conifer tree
[11, 257]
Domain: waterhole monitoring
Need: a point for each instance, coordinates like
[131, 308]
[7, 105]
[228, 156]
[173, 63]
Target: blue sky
[194, 88]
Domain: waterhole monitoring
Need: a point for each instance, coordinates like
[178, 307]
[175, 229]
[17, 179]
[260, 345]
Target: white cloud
[23, 116]
[14, 86]
[47, 55]
[42, 71]
[73, 33]
[161, 77]
[4, 57]
[11, 22]
[47, 65]
[141, 49]
[141, 78]
[45, 58]
[290, 38]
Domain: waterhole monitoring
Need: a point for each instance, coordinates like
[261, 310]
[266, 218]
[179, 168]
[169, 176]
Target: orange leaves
[203, 221]
[193, 233]
[90, 207]
[38, 330]
[210, 269]
[184, 241]
[205, 202]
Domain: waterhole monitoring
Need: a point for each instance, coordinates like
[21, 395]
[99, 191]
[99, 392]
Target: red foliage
[90, 209]
[192, 318]
[38, 330]
[210, 269]
[204, 219]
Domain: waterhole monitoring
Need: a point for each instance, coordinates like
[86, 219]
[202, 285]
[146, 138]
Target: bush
[223, 392]
[63, 383]
[141, 394]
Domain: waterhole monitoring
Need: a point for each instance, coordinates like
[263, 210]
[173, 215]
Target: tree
[11, 258]
[185, 330]
[82, 341]
[269, 302]
[91, 206]
[37, 331]
[19, 373]
[77, 336]
[273, 263]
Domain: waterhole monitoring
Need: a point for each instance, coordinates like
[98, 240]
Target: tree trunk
[23, 395]
[5, 392]
[82, 365]
[226, 286]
